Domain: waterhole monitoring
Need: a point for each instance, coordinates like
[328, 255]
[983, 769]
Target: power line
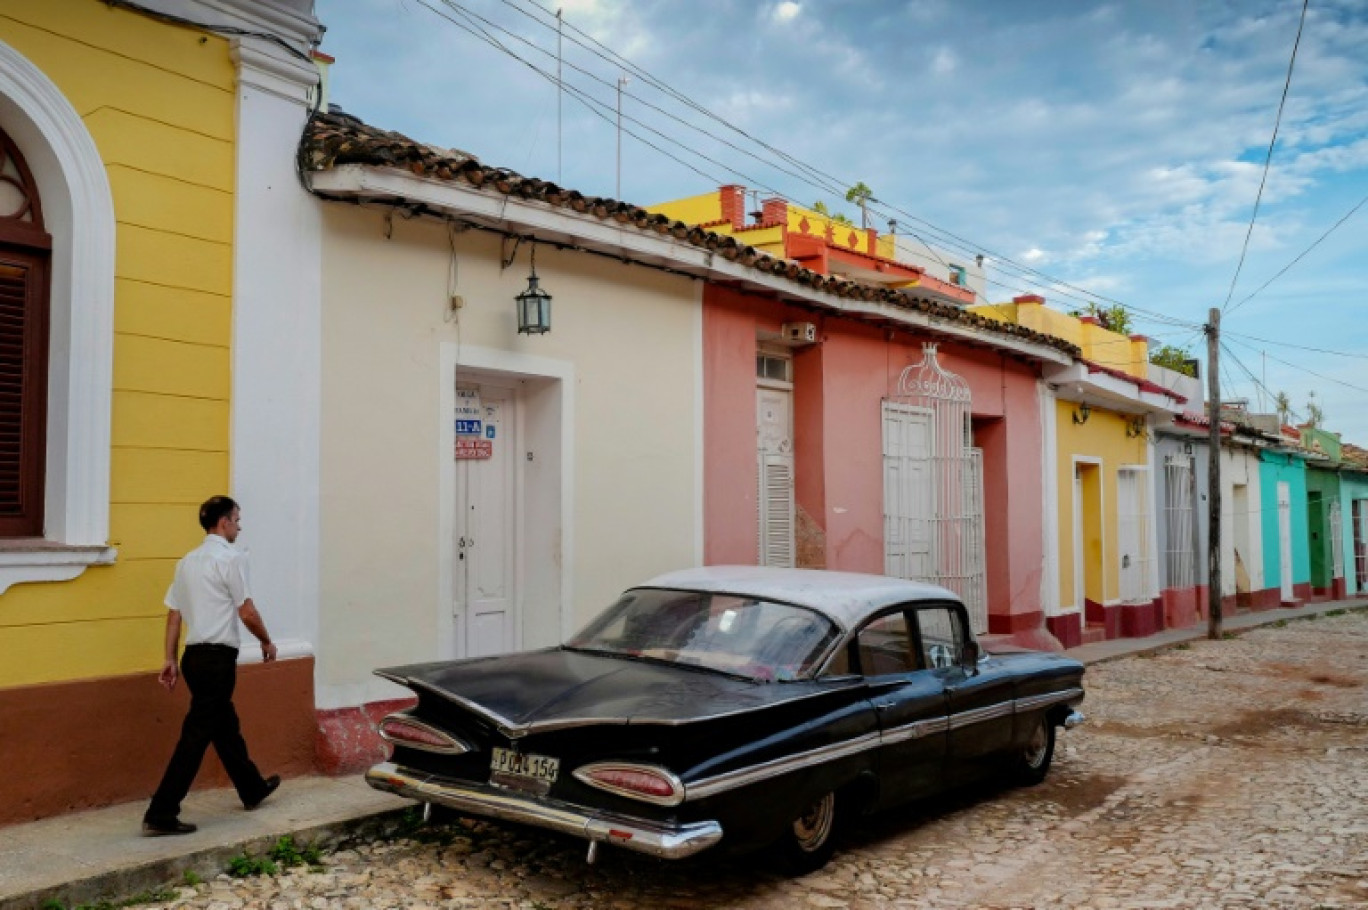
[1300, 347]
[1303, 253]
[819, 179]
[579, 95]
[591, 103]
[1292, 412]
[1347, 385]
[1268, 160]
[455, 7]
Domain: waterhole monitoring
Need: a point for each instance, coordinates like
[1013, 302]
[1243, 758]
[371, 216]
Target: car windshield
[757, 639]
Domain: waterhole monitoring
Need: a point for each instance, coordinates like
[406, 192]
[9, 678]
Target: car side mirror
[969, 657]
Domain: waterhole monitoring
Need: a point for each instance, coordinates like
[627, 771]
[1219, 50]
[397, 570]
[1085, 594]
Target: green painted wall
[1322, 496]
[1288, 468]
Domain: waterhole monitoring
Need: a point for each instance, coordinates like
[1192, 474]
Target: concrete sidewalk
[101, 854]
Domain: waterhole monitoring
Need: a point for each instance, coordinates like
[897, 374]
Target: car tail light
[403, 730]
[644, 782]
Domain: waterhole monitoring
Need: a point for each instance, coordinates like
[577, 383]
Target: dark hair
[214, 510]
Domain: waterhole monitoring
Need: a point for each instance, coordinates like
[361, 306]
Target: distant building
[828, 245]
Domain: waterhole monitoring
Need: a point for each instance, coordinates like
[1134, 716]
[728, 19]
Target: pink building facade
[813, 392]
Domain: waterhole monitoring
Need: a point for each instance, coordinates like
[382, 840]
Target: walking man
[210, 592]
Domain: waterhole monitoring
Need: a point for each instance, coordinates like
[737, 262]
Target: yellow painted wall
[1102, 438]
[1099, 345]
[693, 210]
[159, 102]
[840, 233]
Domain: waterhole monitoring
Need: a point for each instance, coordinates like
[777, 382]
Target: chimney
[733, 199]
[774, 211]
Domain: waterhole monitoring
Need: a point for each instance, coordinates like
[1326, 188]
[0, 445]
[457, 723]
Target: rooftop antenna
[622, 80]
[560, 98]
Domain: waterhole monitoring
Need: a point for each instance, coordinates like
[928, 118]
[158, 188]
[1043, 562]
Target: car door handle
[885, 704]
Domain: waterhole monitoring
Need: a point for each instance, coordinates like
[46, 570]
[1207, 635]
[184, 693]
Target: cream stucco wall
[1243, 520]
[625, 337]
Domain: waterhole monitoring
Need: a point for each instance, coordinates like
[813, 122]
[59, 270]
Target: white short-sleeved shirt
[211, 584]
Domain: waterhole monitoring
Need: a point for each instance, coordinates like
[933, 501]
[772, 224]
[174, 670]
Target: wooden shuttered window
[23, 392]
[24, 257]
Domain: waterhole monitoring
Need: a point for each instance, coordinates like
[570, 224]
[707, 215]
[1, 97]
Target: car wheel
[810, 840]
[1033, 762]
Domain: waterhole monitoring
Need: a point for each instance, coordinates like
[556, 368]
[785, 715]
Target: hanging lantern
[534, 305]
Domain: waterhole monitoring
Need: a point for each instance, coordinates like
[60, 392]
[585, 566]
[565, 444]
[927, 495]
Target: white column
[1049, 492]
[277, 291]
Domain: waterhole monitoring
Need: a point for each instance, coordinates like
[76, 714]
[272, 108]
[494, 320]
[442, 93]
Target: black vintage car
[734, 705]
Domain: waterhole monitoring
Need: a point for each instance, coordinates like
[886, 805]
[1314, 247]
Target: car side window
[941, 636]
[885, 647]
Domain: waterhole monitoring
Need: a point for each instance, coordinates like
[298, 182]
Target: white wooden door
[909, 506]
[1129, 533]
[485, 599]
[774, 502]
[1285, 540]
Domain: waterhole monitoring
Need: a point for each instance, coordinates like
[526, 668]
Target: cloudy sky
[1092, 151]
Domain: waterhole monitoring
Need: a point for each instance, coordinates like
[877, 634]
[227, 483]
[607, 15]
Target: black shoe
[271, 783]
[157, 827]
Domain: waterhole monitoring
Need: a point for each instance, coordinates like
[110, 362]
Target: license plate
[541, 768]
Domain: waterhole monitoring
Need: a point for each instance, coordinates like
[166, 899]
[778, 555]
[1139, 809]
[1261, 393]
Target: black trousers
[211, 673]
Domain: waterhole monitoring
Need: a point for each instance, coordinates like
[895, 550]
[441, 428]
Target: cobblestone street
[1220, 774]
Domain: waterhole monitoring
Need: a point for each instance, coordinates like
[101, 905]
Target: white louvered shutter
[776, 510]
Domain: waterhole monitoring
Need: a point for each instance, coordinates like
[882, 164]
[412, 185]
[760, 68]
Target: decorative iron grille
[1179, 552]
[933, 485]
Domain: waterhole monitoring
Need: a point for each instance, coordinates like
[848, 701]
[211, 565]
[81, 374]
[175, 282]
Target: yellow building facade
[128, 123]
[158, 102]
[814, 239]
[1099, 491]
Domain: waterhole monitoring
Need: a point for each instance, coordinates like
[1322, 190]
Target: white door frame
[556, 577]
[1284, 501]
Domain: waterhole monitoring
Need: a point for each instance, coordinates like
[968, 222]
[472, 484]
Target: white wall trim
[1049, 486]
[1080, 576]
[456, 356]
[79, 211]
[274, 17]
[700, 450]
[277, 343]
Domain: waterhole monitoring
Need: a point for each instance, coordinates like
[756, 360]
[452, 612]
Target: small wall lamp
[534, 305]
[1136, 427]
[1082, 413]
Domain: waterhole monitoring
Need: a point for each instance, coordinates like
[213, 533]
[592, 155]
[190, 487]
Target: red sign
[474, 448]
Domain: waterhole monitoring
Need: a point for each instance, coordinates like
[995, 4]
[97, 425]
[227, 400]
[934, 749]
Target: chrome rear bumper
[1074, 719]
[641, 835]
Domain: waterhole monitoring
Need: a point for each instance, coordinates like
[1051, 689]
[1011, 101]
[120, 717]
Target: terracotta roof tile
[332, 140]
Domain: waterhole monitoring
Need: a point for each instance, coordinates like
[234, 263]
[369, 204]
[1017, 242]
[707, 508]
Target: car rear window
[758, 639]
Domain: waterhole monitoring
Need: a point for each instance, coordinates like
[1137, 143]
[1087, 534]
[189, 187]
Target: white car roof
[845, 597]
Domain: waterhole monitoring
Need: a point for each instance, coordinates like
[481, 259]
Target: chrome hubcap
[1035, 749]
[813, 827]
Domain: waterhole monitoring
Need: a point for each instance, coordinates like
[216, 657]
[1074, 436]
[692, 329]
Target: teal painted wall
[1275, 467]
[1352, 486]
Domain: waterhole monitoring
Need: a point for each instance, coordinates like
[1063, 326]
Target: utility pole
[622, 80]
[1213, 333]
